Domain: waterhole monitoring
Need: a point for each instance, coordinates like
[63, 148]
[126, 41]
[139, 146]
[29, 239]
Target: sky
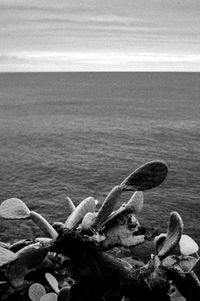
[99, 35]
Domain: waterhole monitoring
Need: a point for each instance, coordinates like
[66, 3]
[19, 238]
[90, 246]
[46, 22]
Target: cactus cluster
[21, 262]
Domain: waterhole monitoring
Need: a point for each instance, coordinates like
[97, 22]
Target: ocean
[80, 134]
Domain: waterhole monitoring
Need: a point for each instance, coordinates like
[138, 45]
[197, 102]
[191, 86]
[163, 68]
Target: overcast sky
[99, 35]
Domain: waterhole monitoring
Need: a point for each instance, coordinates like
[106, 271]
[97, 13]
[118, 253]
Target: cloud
[115, 26]
[98, 61]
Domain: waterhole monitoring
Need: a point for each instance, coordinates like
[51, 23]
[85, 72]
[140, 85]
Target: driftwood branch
[100, 276]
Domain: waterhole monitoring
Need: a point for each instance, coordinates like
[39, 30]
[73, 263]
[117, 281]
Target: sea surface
[79, 134]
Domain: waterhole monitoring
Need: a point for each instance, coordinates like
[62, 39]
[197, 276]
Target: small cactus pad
[187, 263]
[174, 232]
[14, 209]
[87, 205]
[36, 291]
[49, 297]
[6, 256]
[187, 245]
[108, 205]
[136, 202]
[147, 176]
[70, 205]
[52, 282]
[27, 258]
[64, 294]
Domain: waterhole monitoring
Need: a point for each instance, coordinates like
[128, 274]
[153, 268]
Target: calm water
[79, 134]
